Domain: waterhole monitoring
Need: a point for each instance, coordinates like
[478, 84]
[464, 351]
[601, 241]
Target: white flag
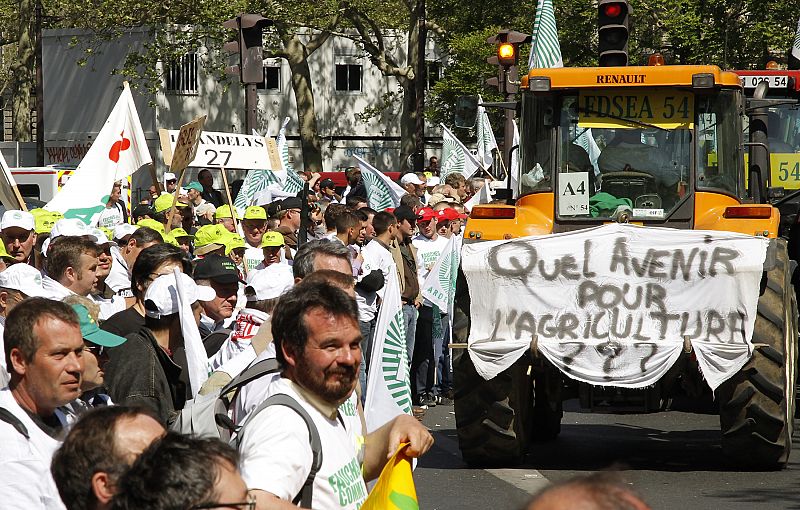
[794, 54]
[196, 357]
[119, 150]
[514, 167]
[440, 286]
[382, 192]
[545, 49]
[586, 140]
[483, 196]
[486, 140]
[388, 386]
[456, 157]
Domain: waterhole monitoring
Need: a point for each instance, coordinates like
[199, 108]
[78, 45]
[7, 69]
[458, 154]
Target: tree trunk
[408, 117]
[297, 57]
[22, 74]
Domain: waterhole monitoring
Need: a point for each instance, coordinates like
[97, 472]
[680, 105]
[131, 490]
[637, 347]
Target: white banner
[389, 386]
[227, 150]
[119, 150]
[613, 305]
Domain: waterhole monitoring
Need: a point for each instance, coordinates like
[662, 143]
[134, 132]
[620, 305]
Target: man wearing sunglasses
[95, 357]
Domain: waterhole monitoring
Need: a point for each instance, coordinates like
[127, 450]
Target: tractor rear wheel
[757, 404]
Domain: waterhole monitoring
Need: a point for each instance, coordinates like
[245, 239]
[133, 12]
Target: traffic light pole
[511, 74]
[251, 108]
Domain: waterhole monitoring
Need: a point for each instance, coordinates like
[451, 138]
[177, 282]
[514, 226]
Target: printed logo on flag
[395, 363]
[453, 158]
[379, 197]
[293, 184]
[254, 181]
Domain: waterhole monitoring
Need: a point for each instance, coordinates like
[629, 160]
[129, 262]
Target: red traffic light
[612, 10]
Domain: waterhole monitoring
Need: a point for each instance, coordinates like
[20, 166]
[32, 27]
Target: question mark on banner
[653, 351]
[569, 358]
[611, 350]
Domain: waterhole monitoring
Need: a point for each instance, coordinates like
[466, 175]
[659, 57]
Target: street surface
[672, 459]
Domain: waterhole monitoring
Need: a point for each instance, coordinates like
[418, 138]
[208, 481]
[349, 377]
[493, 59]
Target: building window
[348, 77]
[272, 79]
[434, 73]
[181, 75]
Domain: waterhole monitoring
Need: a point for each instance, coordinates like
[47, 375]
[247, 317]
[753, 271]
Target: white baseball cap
[24, 278]
[411, 178]
[169, 176]
[161, 298]
[100, 237]
[72, 227]
[433, 181]
[15, 218]
[270, 282]
[123, 230]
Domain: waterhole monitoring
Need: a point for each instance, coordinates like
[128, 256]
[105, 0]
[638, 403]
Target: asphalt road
[672, 459]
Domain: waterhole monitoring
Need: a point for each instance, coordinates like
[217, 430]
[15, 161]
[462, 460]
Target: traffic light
[249, 46]
[613, 32]
[506, 58]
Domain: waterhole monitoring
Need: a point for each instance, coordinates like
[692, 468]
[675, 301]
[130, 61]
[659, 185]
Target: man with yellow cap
[224, 216]
[272, 246]
[162, 206]
[254, 225]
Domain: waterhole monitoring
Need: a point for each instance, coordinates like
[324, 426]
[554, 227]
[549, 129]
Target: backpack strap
[304, 498]
[8, 417]
[251, 373]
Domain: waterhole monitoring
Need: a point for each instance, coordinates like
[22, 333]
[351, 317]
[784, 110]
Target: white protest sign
[573, 193]
[222, 150]
[613, 305]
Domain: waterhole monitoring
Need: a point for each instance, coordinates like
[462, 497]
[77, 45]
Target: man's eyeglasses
[97, 350]
[250, 504]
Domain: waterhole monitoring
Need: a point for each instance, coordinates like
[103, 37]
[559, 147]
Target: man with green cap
[96, 343]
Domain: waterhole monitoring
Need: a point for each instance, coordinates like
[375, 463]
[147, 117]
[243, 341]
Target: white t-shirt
[118, 279]
[375, 257]
[276, 455]
[428, 252]
[25, 478]
[110, 217]
[280, 270]
[253, 257]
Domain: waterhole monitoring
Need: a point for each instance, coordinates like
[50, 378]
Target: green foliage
[464, 75]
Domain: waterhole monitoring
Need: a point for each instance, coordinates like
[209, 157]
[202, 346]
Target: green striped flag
[486, 140]
[254, 181]
[456, 157]
[382, 192]
[794, 54]
[388, 386]
[545, 50]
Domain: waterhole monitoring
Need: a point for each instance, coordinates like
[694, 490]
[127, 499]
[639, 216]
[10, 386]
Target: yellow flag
[395, 487]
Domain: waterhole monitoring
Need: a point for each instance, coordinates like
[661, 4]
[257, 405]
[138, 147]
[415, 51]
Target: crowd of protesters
[95, 358]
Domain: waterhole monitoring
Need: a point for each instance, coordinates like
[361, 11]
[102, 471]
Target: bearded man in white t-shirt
[318, 346]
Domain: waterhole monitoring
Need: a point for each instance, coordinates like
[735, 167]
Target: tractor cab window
[537, 129]
[624, 151]
[717, 141]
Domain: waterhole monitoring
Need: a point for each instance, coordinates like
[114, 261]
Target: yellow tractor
[656, 146]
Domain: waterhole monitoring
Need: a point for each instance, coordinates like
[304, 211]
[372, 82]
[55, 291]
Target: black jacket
[141, 372]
